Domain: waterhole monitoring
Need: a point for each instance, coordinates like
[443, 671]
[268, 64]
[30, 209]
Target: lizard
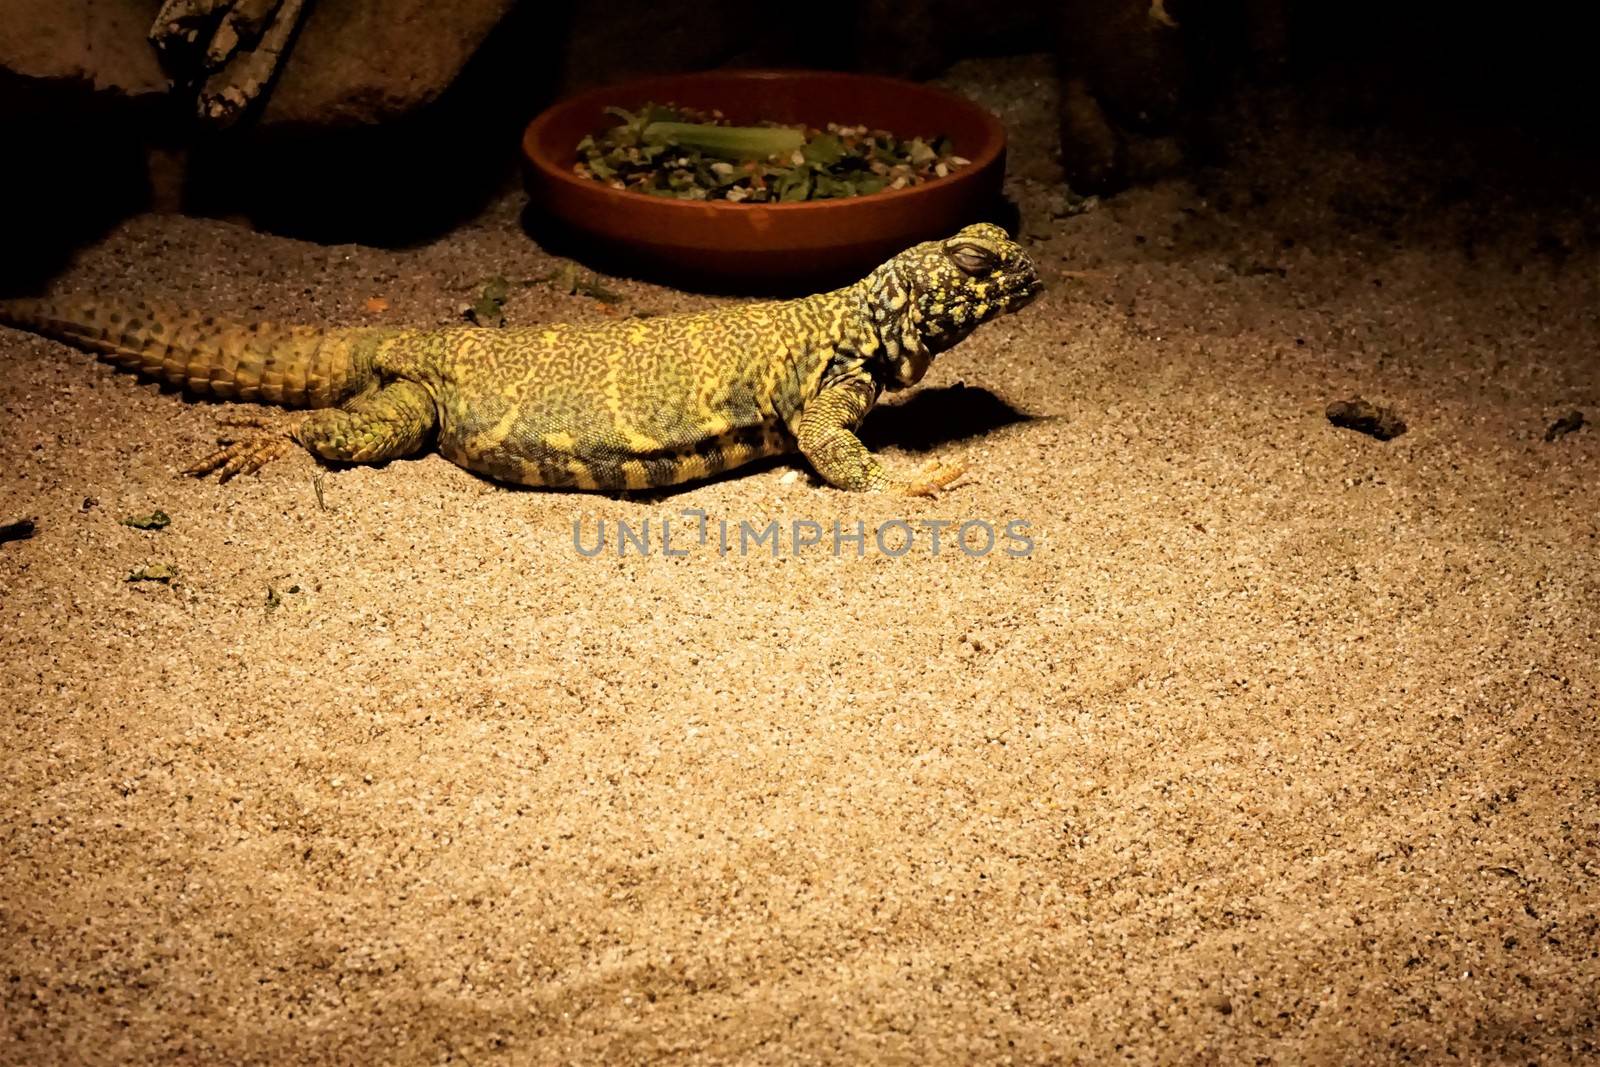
[620, 405]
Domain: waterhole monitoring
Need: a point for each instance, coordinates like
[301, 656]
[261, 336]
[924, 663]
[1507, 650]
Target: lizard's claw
[933, 477]
[243, 457]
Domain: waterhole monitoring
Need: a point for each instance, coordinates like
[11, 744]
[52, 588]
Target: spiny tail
[292, 366]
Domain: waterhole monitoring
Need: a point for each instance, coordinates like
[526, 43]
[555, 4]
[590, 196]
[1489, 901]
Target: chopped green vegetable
[689, 155]
[738, 143]
[573, 282]
[489, 308]
[153, 572]
[795, 185]
[823, 150]
[156, 520]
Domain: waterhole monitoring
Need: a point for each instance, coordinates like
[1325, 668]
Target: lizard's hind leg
[397, 420]
[394, 421]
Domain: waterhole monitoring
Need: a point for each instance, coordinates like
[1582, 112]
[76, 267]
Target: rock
[1131, 53]
[359, 141]
[363, 62]
[1091, 149]
[98, 43]
[20, 530]
[1363, 416]
[1571, 422]
[80, 91]
[624, 39]
[354, 62]
[1140, 75]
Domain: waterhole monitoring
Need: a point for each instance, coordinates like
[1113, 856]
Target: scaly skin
[613, 406]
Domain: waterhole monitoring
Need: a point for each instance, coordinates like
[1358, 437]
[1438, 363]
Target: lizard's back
[627, 404]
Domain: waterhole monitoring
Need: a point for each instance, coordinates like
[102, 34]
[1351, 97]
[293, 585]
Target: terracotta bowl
[761, 246]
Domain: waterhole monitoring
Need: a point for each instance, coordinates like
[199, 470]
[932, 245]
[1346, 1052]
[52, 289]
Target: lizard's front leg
[397, 420]
[827, 438]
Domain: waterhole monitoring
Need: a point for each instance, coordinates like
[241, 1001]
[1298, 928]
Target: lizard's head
[934, 294]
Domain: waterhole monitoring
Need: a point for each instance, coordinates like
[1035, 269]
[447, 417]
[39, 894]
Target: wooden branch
[228, 93]
[178, 13]
[180, 25]
[234, 46]
[242, 27]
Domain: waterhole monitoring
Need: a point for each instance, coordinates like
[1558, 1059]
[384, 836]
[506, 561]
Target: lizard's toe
[205, 465]
[933, 477]
[242, 457]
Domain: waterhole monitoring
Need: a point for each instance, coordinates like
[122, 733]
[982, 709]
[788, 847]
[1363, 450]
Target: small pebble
[1365, 417]
[20, 530]
[1568, 423]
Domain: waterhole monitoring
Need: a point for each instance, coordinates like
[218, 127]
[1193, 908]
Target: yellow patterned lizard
[619, 405]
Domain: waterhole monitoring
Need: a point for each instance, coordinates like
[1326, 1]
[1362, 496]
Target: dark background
[1513, 81]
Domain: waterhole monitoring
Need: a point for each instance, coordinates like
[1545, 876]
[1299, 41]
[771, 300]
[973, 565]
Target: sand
[1279, 746]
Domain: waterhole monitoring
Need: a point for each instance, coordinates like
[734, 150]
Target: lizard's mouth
[1025, 295]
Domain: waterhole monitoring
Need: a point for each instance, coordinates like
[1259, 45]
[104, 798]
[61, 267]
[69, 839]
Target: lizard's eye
[974, 259]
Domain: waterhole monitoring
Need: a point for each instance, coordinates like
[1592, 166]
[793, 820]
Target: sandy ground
[1280, 746]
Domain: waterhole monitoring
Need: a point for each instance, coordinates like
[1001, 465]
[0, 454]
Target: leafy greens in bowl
[669, 151]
